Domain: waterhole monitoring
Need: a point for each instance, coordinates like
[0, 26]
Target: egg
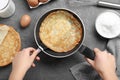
[33, 3]
[25, 20]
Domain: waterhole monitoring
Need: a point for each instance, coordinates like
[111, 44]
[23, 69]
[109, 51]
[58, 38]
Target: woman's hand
[22, 62]
[104, 64]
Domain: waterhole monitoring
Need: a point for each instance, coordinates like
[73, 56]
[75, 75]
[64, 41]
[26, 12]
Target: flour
[108, 24]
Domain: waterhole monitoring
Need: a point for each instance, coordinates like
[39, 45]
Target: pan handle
[87, 52]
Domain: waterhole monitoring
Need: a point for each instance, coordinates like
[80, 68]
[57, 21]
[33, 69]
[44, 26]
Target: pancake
[9, 46]
[60, 31]
[3, 32]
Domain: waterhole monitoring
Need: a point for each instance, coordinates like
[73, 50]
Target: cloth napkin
[113, 47]
[83, 71]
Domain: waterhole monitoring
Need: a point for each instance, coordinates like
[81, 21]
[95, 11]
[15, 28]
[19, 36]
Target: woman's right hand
[104, 64]
[22, 62]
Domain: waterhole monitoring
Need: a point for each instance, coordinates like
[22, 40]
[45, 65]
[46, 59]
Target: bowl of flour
[108, 24]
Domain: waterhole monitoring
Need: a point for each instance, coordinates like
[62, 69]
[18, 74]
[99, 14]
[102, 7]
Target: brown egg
[25, 20]
[43, 0]
[33, 3]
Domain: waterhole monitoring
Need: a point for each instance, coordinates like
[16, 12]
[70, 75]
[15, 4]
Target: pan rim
[80, 44]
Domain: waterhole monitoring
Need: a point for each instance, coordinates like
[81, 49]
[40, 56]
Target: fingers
[96, 50]
[30, 49]
[32, 52]
[105, 51]
[90, 61]
[33, 65]
[37, 58]
[35, 53]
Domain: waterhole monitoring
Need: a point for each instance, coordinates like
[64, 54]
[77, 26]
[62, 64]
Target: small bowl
[108, 24]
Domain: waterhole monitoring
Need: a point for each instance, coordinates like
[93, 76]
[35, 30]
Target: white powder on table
[108, 24]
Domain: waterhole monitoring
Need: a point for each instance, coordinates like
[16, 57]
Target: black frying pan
[83, 49]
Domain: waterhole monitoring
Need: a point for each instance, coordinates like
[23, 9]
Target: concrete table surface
[50, 68]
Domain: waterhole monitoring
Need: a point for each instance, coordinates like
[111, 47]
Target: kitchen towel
[84, 71]
[113, 47]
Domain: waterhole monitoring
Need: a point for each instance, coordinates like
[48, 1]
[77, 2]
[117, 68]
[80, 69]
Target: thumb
[96, 50]
[35, 53]
[91, 62]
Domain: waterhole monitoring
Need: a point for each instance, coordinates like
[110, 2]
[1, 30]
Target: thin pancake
[9, 47]
[60, 31]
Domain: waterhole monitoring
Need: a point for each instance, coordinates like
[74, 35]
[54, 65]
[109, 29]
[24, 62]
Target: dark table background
[50, 68]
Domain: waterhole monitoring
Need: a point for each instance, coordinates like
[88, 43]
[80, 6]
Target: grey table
[50, 68]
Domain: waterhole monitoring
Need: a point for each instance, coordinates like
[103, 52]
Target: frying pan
[79, 47]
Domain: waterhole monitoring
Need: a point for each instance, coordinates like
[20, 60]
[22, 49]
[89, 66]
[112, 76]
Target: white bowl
[108, 24]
